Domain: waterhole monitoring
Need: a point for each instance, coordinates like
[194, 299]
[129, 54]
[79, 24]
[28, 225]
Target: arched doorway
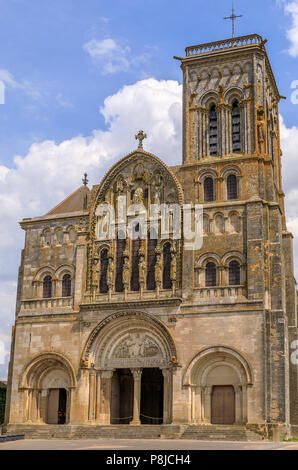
[132, 355]
[47, 383]
[219, 378]
[56, 407]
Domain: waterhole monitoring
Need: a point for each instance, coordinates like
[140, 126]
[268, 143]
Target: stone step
[226, 433]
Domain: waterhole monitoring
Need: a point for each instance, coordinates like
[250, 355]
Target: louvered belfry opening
[104, 262]
[236, 128]
[213, 132]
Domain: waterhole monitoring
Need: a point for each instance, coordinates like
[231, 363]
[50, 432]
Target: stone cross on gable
[140, 137]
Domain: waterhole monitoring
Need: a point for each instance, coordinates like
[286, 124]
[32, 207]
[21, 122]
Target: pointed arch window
[236, 126]
[119, 265]
[47, 287]
[208, 190]
[234, 273]
[213, 131]
[66, 285]
[167, 282]
[104, 262]
[211, 278]
[232, 187]
[151, 260]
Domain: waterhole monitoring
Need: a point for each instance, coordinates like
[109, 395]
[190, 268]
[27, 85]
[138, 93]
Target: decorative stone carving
[138, 197]
[126, 273]
[158, 269]
[142, 271]
[137, 345]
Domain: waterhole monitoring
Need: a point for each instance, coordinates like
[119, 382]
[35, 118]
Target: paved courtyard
[140, 444]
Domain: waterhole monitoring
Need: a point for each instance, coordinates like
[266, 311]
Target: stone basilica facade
[138, 332]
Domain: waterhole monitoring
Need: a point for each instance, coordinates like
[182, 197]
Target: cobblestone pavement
[140, 444]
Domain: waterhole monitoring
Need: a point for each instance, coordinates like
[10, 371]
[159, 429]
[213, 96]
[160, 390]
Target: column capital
[106, 374]
[137, 373]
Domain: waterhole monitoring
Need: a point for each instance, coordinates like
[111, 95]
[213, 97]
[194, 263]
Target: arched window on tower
[211, 278]
[167, 282]
[208, 190]
[234, 273]
[104, 262]
[236, 125]
[119, 265]
[232, 187]
[213, 132]
[151, 260]
[47, 287]
[66, 285]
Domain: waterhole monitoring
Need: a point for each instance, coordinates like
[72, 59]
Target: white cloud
[50, 171]
[8, 79]
[291, 8]
[289, 145]
[113, 57]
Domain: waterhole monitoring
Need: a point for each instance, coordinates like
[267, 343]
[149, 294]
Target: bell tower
[232, 165]
[230, 107]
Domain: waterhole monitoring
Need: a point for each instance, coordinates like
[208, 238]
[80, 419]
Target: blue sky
[42, 44]
[82, 77]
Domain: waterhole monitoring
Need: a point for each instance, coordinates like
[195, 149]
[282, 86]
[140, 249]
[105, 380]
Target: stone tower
[130, 331]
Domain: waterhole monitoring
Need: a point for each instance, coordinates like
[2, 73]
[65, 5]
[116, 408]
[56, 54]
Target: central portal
[151, 396]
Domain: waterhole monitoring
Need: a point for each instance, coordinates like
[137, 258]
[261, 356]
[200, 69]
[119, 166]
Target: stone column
[98, 390]
[207, 407]
[198, 404]
[69, 406]
[137, 377]
[238, 413]
[244, 404]
[105, 396]
[167, 396]
[92, 395]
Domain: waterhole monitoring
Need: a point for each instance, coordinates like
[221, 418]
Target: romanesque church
[140, 335]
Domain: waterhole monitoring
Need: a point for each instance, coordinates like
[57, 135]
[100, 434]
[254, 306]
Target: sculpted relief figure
[135, 346]
[142, 271]
[126, 273]
[111, 269]
[158, 270]
[138, 197]
[173, 272]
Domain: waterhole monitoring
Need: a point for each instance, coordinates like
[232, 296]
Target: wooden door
[223, 405]
[53, 406]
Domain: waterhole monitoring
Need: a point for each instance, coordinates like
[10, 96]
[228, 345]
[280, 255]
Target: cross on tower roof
[233, 17]
[140, 137]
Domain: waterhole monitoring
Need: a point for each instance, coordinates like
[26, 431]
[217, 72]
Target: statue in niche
[110, 273]
[142, 271]
[126, 273]
[173, 272]
[158, 269]
[95, 273]
[138, 171]
[138, 197]
[156, 199]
